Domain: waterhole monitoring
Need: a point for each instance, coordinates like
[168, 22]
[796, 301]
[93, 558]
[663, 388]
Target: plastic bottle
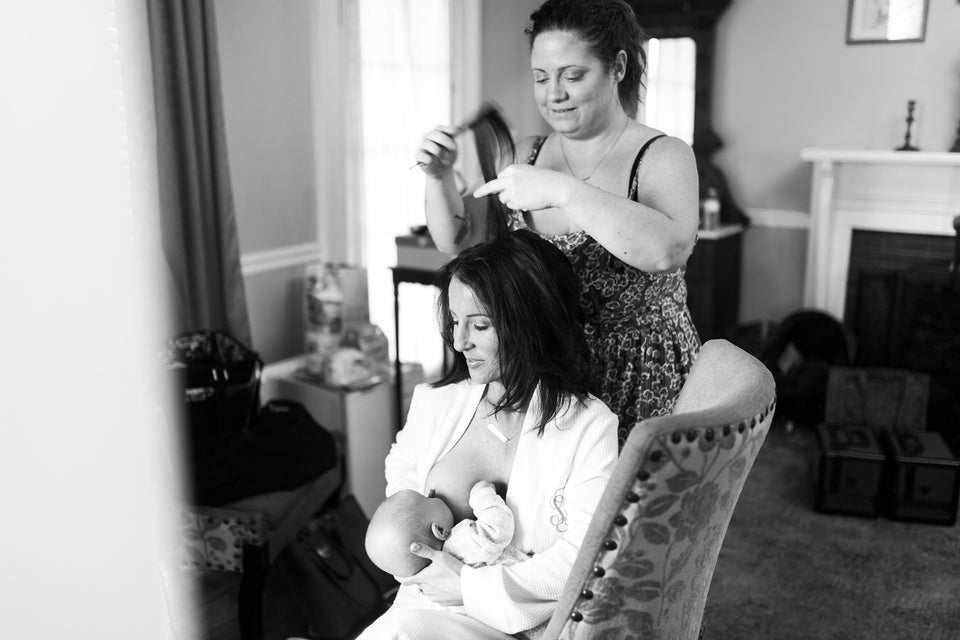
[710, 209]
[324, 321]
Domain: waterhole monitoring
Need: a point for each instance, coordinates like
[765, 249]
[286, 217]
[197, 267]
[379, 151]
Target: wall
[785, 79]
[285, 145]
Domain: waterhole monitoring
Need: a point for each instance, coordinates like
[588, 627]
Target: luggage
[849, 469]
[800, 353]
[283, 449]
[924, 482]
[338, 588]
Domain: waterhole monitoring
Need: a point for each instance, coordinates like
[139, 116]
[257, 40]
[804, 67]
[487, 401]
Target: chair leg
[250, 598]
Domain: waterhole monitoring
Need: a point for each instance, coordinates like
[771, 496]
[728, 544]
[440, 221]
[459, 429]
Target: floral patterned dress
[641, 337]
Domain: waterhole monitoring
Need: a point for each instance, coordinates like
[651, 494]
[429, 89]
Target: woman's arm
[655, 234]
[400, 465]
[452, 228]
[520, 596]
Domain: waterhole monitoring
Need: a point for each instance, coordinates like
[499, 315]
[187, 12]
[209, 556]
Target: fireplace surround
[890, 191]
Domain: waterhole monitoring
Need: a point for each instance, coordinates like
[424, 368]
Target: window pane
[671, 84]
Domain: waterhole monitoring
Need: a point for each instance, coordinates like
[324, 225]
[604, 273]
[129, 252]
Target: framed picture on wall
[872, 21]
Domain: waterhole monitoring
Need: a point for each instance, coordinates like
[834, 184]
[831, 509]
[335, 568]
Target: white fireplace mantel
[893, 191]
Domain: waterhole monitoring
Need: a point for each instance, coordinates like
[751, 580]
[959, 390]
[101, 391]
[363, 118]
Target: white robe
[555, 485]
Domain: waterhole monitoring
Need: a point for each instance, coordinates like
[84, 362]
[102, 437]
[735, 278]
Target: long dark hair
[532, 294]
[607, 27]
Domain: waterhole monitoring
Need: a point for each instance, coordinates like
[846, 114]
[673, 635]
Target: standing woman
[618, 197]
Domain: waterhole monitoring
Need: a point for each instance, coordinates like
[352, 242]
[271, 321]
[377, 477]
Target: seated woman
[515, 409]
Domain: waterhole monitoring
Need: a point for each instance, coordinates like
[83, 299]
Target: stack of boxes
[875, 455]
[903, 474]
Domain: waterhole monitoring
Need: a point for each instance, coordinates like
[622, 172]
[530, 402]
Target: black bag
[219, 379]
[800, 353]
[283, 449]
[337, 586]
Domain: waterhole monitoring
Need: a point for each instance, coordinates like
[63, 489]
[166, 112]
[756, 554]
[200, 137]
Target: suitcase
[849, 470]
[924, 477]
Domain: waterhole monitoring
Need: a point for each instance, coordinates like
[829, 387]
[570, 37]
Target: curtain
[404, 53]
[198, 224]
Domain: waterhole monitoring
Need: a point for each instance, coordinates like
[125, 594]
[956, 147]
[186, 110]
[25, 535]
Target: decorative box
[849, 470]
[924, 477]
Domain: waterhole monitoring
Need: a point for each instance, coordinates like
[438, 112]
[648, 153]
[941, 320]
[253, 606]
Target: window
[407, 59]
[670, 86]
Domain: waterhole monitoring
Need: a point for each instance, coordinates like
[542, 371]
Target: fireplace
[881, 256]
[889, 191]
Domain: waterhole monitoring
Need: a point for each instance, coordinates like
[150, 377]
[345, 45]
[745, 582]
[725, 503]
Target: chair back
[645, 565]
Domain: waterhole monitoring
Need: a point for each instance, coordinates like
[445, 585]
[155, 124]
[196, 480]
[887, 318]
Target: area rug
[786, 572]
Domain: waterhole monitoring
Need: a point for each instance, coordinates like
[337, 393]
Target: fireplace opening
[903, 307]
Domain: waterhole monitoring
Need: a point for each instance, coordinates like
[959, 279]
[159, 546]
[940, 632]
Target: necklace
[605, 154]
[499, 434]
[495, 430]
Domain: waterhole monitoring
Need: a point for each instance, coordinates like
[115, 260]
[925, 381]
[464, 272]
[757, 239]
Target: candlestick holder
[956, 143]
[906, 139]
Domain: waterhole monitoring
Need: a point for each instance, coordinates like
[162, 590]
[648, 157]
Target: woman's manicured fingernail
[415, 547]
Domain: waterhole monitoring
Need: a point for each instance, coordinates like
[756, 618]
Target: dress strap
[535, 149]
[636, 163]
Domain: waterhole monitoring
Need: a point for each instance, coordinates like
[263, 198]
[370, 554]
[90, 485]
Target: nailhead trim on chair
[633, 497]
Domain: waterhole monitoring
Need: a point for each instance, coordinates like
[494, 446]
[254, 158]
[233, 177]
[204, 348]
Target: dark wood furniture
[713, 281]
[696, 19]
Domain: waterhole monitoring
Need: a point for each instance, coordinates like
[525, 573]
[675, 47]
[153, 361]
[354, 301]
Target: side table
[713, 281]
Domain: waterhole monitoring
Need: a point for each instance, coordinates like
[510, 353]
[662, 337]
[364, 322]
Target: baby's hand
[483, 484]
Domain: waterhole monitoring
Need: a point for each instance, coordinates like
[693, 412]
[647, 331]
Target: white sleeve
[520, 596]
[495, 522]
[400, 465]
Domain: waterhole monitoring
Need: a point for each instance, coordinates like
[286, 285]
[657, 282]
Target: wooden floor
[206, 608]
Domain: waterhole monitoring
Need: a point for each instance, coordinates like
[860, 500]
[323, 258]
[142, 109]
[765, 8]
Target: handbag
[334, 582]
[219, 379]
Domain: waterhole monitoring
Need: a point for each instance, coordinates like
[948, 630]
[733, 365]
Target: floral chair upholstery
[646, 562]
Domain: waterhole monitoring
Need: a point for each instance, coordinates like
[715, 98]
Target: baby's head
[404, 518]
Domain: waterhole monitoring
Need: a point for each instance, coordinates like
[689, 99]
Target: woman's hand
[438, 152]
[440, 580]
[523, 187]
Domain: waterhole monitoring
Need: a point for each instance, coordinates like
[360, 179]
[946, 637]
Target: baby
[408, 516]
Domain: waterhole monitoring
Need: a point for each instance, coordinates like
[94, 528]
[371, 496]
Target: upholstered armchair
[648, 557]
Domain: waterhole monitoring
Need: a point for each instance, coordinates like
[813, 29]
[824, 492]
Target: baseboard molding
[779, 218]
[281, 258]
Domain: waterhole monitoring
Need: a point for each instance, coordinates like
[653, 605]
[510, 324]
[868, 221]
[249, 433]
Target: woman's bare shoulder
[525, 146]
